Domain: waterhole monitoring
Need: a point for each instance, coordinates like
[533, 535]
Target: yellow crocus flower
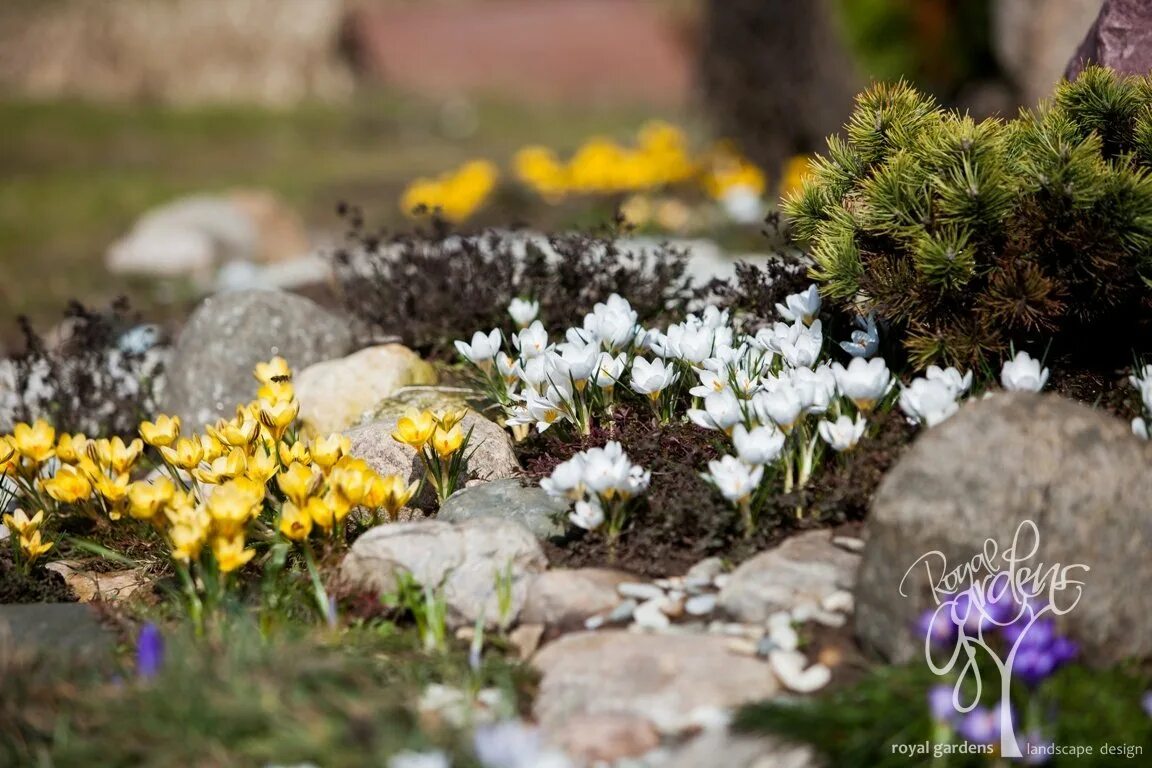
[237, 433]
[230, 553]
[262, 465]
[145, 499]
[279, 416]
[21, 524]
[187, 541]
[447, 442]
[414, 428]
[298, 482]
[213, 448]
[233, 504]
[122, 457]
[323, 512]
[37, 442]
[186, 453]
[223, 468]
[276, 392]
[7, 451]
[70, 449]
[295, 523]
[390, 493]
[163, 432]
[352, 480]
[329, 450]
[69, 486]
[275, 369]
[33, 547]
[298, 452]
[450, 417]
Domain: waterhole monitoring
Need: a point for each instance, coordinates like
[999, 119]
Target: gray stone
[1120, 38]
[491, 452]
[1076, 472]
[804, 569]
[564, 598]
[210, 371]
[467, 560]
[719, 747]
[508, 499]
[677, 682]
[1034, 38]
[71, 629]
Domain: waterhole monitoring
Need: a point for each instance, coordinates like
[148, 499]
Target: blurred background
[161, 149]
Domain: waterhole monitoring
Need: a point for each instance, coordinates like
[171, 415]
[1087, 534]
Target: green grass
[74, 176]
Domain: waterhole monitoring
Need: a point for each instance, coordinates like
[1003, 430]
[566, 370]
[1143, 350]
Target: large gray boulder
[1121, 39]
[1074, 471]
[508, 499]
[210, 371]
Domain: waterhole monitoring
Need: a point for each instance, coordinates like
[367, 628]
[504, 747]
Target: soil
[682, 519]
[40, 586]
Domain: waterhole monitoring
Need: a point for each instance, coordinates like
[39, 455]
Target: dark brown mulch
[682, 519]
[40, 586]
[1109, 390]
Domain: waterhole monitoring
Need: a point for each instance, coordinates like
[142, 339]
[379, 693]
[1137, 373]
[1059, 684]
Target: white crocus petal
[523, 311]
[483, 348]
[588, 514]
[803, 306]
[572, 363]
[735, 480]
[651, 377]
[802, 345]
[1146, 394]
[928, 402]
[566, 480]
[781, 407]
[612, 323]
[721, 411]
[609, 369]
[951, 378]
[411, 759]
[815, 388]
[539, 410]
[711, 382]
[1023, 374]
[864, 382]
[509, 367]
[1140, 428]
[761, 445]
[844, 433]
[864, 342]
[532, 341]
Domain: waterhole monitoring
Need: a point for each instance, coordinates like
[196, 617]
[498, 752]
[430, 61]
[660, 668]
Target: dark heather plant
[98, 378]
[432, 287]
[970, 237]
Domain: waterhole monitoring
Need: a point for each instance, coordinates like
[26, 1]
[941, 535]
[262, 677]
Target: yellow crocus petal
[121, 457]
[279, 416]
[70, 449]
[390, 493]
[223, 468]
[36, 442]
[329, 450]
[33, 547]
[186, 453]
[273, 370]
[450, 417]
[230, 553]
[113, 489]
[296, 452]
[298, 482]
[262, 465]
[7, 451]
[237, 433]
[162, 432]
[352, 481]
[322, 512]
[295, 523]
[187, 541]
[276, 392]
[415, 428]
[145, 499]
[69, 486]
[100, 452]
[21, 524]
[213, 448]
[446, 443]
[233, 504]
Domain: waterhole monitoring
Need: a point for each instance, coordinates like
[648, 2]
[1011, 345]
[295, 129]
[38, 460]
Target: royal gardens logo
[995, 611]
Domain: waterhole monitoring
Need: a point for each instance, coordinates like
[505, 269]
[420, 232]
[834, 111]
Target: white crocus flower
[951, 378]
[509, 368]
[566, 480]
[735, 480]
[588, 514]
[928, 402]
[609, 369]
[844, 433]
[575, 363]
[534, 372]
[781, 406]
[537, 409]
[803, 306]
[711, 381]
[721, 411]
[742, 204]
[814, 387]
[801, 345]
[864, 342]
[652, 378]
[483, 348]
[612, 323]
[523, 311]
[532, 341]
[761, 445]
[608, 472]
[864, 382]
[1023, 374]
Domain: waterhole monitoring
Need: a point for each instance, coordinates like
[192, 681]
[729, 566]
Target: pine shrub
[970, 237]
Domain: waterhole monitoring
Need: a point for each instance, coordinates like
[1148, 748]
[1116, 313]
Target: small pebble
[829, 619]
[850, 543]
[789, 668]
[673, 607]
[650, 615]
[720, 581]
[742, 646]
[803, 612]
[784, 637]
[841, 600]
[700, 605]
[707, 569]
[639, 590]
[594, 622]
[622, 612]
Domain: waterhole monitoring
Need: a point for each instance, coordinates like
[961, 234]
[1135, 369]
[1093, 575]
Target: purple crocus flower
[149, 651]
[1146, 703]
[937, 626]
[941, 704]
[980, 726]
[1032, 741]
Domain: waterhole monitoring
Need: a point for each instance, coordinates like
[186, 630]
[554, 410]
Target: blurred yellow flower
[390, 493]
[298, 482]
[274, 370]
[187, 541]
[447, 442]
[276, 392]
[113, 489]
[298, 452]
[186, 453]
[449, 417]
[456, 195]
[121, 457]
[262, 465]
[295, 523]
[323, 512]
[33, 547]
[351, 480]
[726, 169]
[163, 432]
[328, 450]
[279, 416]
[230, 553]
[21, 524]
[70, 449]
[415, 428]
[223, 468]
[233, 504]
[37, 442]
[146, 498]
[68, 486]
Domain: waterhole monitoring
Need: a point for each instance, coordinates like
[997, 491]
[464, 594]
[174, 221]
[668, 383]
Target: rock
[563, 599]
[700, 605]
[805, 568]
[210, 370]
[310, 270]
[335, 394]
[704, 571]
[718, 748]
[508, 499]
[526, 638]
[465, 559]
[650, 614]
[793, 671]
[670, 680]
[73, 629]
[1033, 39]
[640, 590]
[606, 737]
[108, 586]
[1076, 472]
[491, 460]
[1120, 38]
